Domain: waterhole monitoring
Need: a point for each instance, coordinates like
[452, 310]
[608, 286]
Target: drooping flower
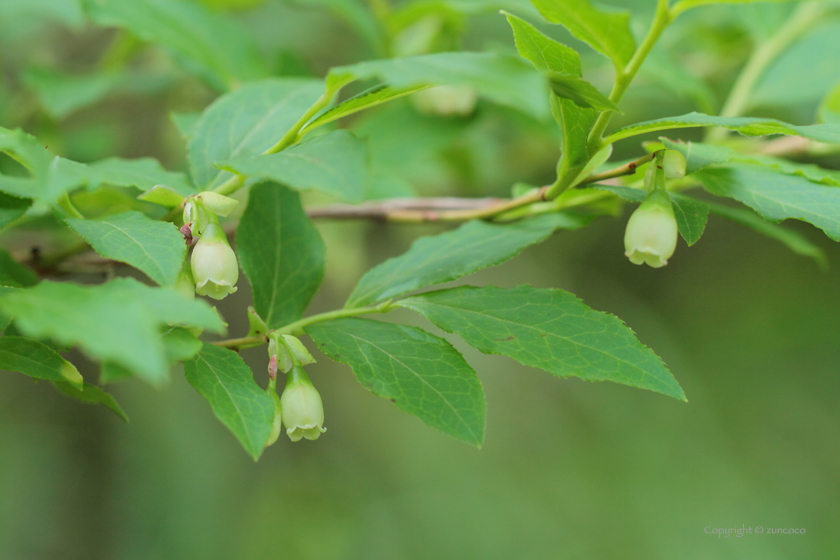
[303, 411]
[651, 235]
[214, 265]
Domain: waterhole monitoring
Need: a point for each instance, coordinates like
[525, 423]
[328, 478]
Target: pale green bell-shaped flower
[651, 235]
[214, 265]
[303, 411]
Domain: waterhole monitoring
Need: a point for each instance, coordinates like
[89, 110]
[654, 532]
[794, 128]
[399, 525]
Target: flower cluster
[300, 407]
[213, 269]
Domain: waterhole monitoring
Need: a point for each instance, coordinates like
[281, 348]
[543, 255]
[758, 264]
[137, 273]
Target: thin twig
[397, 210]
[627, 169]
[428, 209]
[296, 328]
[379, 209]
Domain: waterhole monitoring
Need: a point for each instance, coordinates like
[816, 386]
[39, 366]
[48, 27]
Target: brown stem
[419, 210]
[627, 169]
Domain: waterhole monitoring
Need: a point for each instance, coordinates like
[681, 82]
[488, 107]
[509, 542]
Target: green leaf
[15, 274]
[594, 164]
[181, 344]
[222, 378]
[423, 374]
[12, 208]
[811, 172]
[451, 255]
[549, 329]
[691, 214]
[368, 99]
[280, 252]
[185, 123]
[606, 32]
[581, 92]
[574, 116]
[247, 122]
[335, 164]
[747, 126]
[795, 241]
[776, 196]
[504, 79]
[25, 149]
[560, 63]
[546, 54]
[699, 156]
[91, 394]
[211, 44]
[118, 321]
[575, 124]
[163, 195]
[50, 175]
[144, 173]
[37, 360]
[632, 194]
[157, 248]
[62, 94]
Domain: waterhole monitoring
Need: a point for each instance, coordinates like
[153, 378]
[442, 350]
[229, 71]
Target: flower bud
[190, 211]
[651, 235]
[303, 411]
[197, 217]
[214, 265]
[446, 101]
[673, 163]
[289, 352]
[216, 203]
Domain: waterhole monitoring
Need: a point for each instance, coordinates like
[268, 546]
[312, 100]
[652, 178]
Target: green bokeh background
[569, 469]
